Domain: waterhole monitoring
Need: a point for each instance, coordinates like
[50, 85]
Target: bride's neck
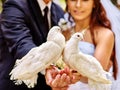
[81, 25]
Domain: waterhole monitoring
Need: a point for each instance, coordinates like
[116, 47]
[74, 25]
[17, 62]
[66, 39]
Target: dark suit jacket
[22, 28]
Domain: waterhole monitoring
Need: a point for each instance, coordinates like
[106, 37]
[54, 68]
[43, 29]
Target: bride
[101, 16]
[101, 19]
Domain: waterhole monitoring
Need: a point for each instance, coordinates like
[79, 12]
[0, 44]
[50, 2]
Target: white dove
[37, 59]
[84, 64]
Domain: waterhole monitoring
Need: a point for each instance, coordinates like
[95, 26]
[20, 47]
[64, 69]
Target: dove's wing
[46, 54]
[88, 66]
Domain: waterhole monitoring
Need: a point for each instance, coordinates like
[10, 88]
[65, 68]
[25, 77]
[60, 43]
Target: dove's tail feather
[16, 71]
[103, 78]
[31, 82]
[98, 86]
[107, 73]
[16, 74]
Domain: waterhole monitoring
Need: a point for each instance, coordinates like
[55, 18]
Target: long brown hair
[99, 18]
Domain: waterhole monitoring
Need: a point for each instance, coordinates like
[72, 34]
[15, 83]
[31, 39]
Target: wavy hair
[98, 15]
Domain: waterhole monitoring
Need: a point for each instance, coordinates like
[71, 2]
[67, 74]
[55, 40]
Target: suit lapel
[53, 15]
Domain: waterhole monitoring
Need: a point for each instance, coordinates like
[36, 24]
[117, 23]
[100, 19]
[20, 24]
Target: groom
[23, 28]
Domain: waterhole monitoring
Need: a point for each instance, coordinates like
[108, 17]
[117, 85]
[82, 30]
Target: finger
[55, 82]
[48, 76]
[68, 79]
[54, 71]
[65, 70]
[64, 80]
[75, 78]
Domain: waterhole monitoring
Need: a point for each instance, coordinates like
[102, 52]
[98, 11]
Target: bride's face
[80, 9]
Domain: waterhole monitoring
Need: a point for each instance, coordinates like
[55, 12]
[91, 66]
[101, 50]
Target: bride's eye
[85, 0]
[73, 0]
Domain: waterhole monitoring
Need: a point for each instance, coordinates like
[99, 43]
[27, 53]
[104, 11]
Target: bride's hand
[58, 79]
[75, 76]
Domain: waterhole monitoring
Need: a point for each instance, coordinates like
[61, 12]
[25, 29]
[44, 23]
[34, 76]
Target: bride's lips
[78, 12]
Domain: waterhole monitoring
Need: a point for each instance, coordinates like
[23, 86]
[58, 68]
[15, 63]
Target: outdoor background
[62, 3]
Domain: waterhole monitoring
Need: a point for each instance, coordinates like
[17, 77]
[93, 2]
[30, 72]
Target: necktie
[46, 20]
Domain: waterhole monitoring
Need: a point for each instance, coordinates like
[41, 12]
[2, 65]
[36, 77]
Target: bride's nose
[78, 3]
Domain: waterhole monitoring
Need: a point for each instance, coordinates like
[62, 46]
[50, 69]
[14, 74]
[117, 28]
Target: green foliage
[0, 5]
[3, 1]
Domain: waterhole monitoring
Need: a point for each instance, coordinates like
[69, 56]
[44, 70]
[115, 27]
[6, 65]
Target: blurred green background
[0, 5]
[61, 3]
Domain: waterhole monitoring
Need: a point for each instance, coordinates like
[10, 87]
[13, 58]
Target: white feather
[39, 58]
[86, 65]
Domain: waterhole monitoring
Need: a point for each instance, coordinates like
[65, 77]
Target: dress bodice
[86, 47]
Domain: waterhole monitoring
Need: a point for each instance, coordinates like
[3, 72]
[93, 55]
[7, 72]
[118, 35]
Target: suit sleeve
[15, 30]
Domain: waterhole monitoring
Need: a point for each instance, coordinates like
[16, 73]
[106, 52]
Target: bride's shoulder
[102, 33]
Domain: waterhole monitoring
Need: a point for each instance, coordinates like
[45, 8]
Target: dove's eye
[59, 29]
[78, 35]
